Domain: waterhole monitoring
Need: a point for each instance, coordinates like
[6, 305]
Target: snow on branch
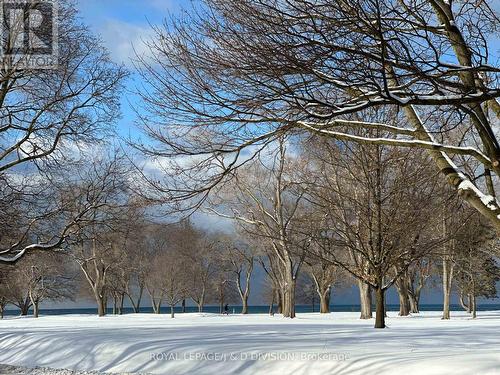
[402, 143]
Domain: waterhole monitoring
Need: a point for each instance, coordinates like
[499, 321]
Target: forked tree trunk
[465, 306]
[137, 306]
[24, 308]
[365, 297]
[380, 307]
[156, 306]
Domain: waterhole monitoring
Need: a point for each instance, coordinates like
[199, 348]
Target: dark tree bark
[380, 308]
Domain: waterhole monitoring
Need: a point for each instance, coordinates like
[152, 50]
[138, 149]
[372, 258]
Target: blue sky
[123, 25]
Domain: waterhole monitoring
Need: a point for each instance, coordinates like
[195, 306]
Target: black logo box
[37, 27]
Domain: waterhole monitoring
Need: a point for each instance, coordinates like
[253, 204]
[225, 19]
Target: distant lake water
[252, 309]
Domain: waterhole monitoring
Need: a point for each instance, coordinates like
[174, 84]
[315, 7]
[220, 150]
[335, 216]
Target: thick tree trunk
[101, 306]
[1, 312]
[324, 302]
[380, 308]
[365, 297]
[289, 297]
[474, 307]
[172, 311]
[24, 309]
[115, 304]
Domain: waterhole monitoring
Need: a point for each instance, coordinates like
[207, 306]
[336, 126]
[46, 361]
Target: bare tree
[238, 75]
[240, 262]
[269, 201]
[99, 243]
[45, 115]
[374, 219]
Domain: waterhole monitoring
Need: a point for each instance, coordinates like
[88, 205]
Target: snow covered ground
[336, 343]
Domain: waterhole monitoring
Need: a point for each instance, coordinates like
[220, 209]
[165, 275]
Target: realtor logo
[29, 34]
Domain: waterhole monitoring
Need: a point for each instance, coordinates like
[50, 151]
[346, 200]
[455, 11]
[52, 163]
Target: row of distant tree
[344, 216]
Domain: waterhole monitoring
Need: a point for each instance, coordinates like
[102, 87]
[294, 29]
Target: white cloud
[125, 40]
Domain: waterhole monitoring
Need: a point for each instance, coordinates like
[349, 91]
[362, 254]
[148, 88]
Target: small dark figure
[226, 309]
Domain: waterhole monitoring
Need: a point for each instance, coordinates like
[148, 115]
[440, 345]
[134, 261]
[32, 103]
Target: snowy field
[336, 343]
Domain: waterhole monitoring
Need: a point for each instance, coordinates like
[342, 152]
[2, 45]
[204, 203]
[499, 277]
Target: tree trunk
[414, 305]
[36, 309]
[474, 307]
[184, 305]
[172, 311]
[447, 280]
[324, 303]
[157, 307]
[137, 306]
[120, 306]
[101, 307]
[465, 306]
[404, 299]
[201, 302]
[244, 302]
[115, 311]
[279, 301]
[24, 309]
[380, 308]
[271, 304]
[1, 311]
[365, 297]
[289, 297]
